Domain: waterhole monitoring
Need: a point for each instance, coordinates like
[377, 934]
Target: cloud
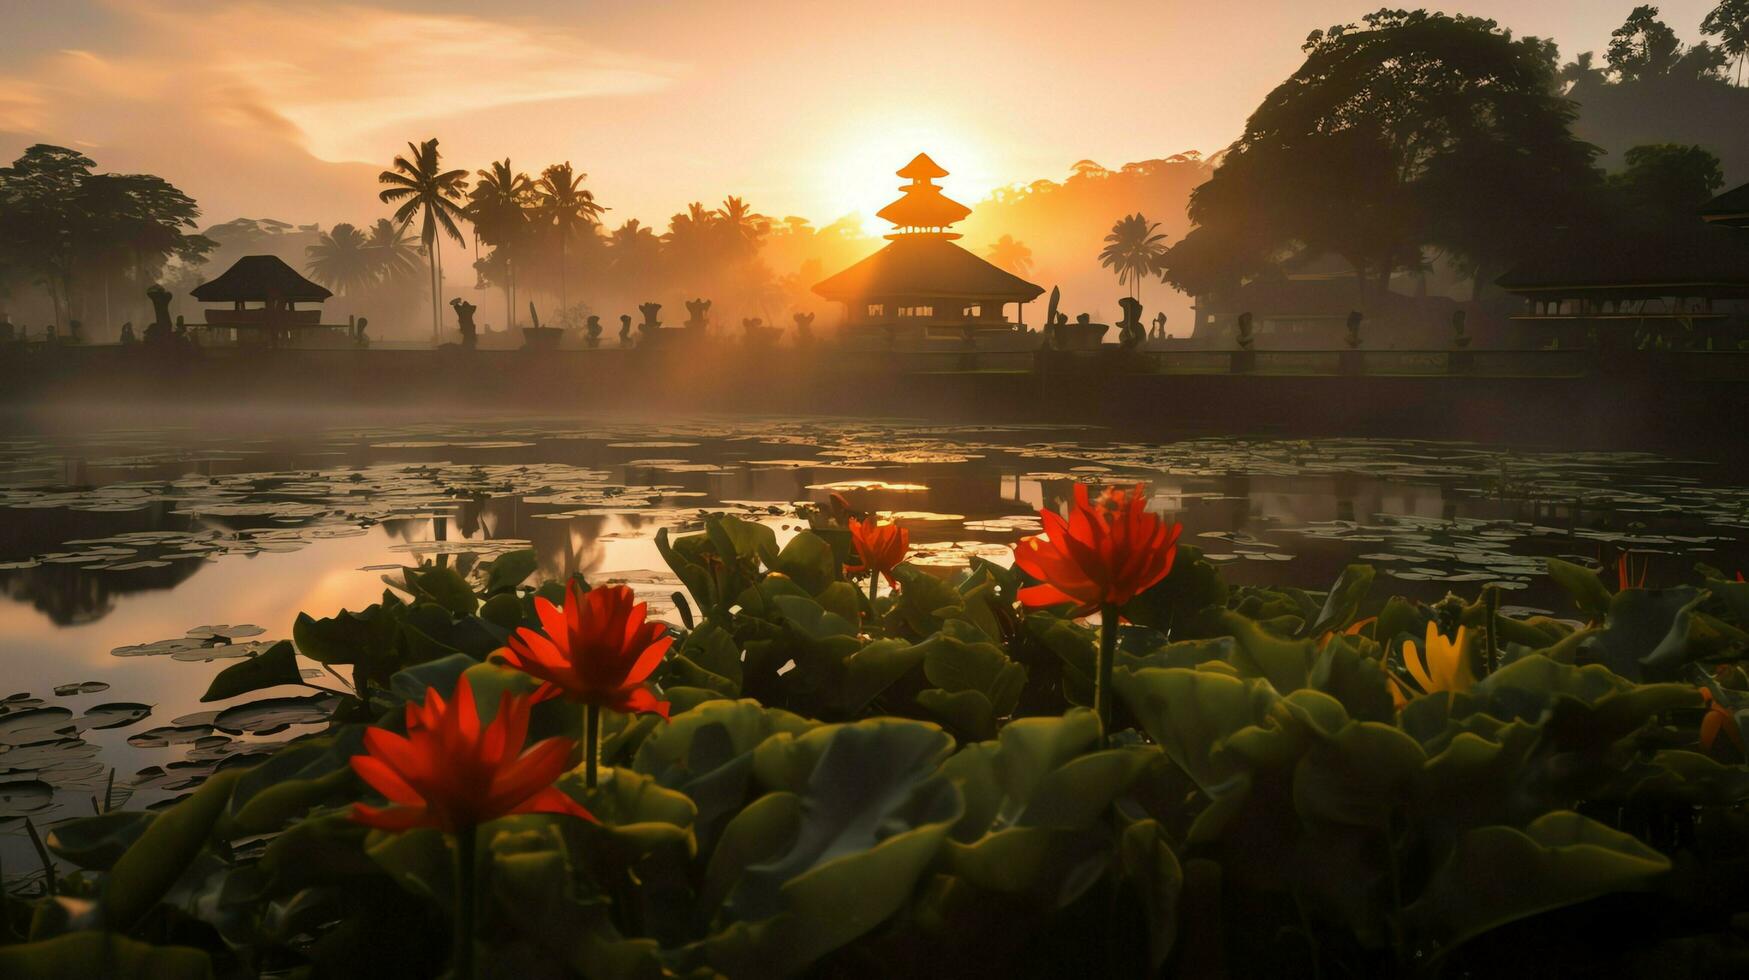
[288, 94]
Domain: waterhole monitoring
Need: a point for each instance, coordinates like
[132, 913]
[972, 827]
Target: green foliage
[838, 782]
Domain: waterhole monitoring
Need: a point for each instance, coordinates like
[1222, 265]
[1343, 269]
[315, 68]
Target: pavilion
[1686, 286]
[1730, 209]
[277, 288]
[922, 290]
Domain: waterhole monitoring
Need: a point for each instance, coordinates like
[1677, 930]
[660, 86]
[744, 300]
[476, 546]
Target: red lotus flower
[452, 773]
[1105, 554]
[1719, 718]
[599, 650]
[1624, 574]
[880, 546]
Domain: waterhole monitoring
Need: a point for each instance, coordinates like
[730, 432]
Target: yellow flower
[1443, 668]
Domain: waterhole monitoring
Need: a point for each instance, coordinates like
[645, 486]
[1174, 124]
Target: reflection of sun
[859, 161]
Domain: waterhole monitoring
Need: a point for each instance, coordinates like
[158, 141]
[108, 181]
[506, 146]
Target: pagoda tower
[922, 290]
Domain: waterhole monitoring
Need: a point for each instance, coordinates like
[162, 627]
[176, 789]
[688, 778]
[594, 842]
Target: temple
[276, 321]
[922, 290]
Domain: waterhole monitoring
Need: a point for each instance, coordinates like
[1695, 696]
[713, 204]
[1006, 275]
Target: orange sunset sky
[288, 110]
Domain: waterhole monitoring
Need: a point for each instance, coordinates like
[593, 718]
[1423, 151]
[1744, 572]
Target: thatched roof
[257, 279]
[926, 268]
[1729, 208]
[1698, 261]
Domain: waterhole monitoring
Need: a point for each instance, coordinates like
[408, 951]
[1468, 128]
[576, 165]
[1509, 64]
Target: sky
[288, 110]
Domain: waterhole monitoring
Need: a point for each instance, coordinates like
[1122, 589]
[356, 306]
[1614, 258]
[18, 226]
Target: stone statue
[1159, 326]
[49, 334]
[127, 333]
[625, 330]
[359, 337]
[7, 330]
[464, 318]
[648, 329]
[804, 329]
[592, 331]
[1353, 337]
[159, 331]
[1130, 332]
[751, 325]
[698, 315]
[1245, 336]
[75, 332]
[1459, 338]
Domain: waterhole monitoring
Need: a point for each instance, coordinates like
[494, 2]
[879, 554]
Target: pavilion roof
[259, 278]
[1702, 260]
[1731, 207]
[925, 268]
[922, 168]
[924, 206]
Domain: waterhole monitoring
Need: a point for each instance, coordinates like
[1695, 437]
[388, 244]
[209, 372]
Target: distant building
[1305, 304]
[922, 290]
[277, 289]
[1683, 287]
[1730, 209]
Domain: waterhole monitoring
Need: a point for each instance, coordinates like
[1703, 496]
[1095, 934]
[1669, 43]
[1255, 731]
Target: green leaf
[1193, 587]
[509, 570]
[1285, 663]
[443, 586]
[503, 609]
[97, 842]
[809, 560]
[276, 667]
[875, 814]
[87, 955]
[1583, 585]
[1343, 603]
[146, 870]
[364, 638]
[924, 600]
[1497, 875]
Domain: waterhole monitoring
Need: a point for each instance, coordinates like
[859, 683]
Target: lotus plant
[1109, 551]
[453, 773]
[598, 651]
[880, 548]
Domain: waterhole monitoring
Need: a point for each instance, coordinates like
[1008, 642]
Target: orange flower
[880, 546]
[599, 650]
[450, 772]
[1718, 719]
[1624, 576]
[1104, 555]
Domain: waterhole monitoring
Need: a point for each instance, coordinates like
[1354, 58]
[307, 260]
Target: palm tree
[633, 250]
[1729, 22]
[341, 260]
[562, 204]
[435, 194]
[1133, 250]
[1010, 254]
[393, 256]
[499, 208]
[741, 228]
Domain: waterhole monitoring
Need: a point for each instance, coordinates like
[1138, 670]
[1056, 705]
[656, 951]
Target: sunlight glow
[858, 162]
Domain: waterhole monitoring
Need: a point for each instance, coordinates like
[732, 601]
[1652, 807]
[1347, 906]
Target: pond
[136, 563]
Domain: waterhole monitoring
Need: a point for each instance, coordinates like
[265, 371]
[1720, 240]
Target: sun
[858, 163]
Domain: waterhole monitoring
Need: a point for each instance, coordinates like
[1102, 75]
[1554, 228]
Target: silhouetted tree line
[1413, 136]
[89, 241]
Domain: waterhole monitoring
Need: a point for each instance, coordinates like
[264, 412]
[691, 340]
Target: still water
[134, 563]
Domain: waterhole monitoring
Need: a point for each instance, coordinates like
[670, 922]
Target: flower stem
[591, 743]
[462, 960]
[1102, 692]
[874, 584]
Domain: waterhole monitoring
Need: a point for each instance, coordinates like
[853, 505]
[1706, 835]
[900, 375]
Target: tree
[341, 260]
[563, 205]
[1643, 46]
[740, 227]
[1334, 159]
[1134, 249]
[1729, 23]
[499, 206]
[1007, 253]
[60, 222]
[434, 195]
[1668, 181]
[634, 253]
[393, 256]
